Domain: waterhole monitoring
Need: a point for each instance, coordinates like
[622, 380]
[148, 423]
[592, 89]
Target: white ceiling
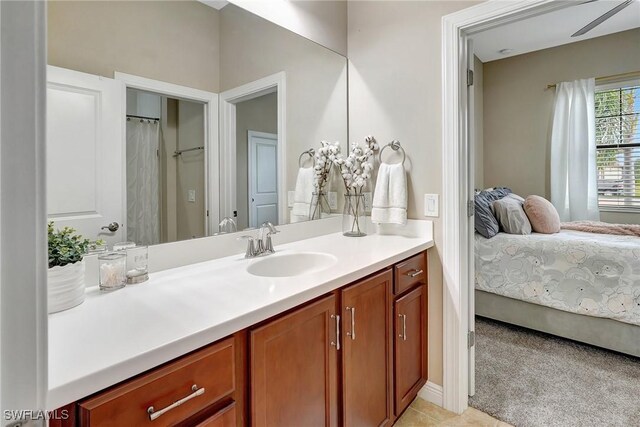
[216, 4]
[554, 29]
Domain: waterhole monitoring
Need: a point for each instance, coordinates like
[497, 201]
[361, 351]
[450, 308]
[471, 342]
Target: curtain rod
[612, 77]
[143, 117]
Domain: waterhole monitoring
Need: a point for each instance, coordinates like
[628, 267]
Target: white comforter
[586, 273]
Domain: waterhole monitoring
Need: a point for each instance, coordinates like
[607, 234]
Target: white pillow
[509, 212]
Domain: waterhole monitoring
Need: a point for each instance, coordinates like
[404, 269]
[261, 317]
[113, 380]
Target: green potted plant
[65, 278]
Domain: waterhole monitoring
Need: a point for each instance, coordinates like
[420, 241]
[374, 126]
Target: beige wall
[323, 21]
[100, 37]
[518, 108]
[478, 122]
[316, 79]
[395, 93]
[261, 115]
[190, 171]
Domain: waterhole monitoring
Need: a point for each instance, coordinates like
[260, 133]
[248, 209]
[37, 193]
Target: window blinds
[618, 147]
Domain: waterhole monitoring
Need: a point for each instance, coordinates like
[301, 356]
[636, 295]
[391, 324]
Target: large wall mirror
[172, 120]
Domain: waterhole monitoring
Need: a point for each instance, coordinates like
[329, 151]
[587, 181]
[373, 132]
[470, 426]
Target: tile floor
[425, 414]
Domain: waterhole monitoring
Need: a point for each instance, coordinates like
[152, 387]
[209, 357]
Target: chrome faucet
[264, 245]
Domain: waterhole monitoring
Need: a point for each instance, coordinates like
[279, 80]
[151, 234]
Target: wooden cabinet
[410, 273]
[367, 351]
[226, 417]
[166, 395]
[355, 357]
[294, 368]
[410, 330]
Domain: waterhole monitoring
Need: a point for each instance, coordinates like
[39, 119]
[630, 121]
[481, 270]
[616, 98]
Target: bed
[582, 286]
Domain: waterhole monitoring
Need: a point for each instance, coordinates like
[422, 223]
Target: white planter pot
[65, 286]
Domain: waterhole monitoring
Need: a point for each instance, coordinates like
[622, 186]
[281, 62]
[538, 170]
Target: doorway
[458, 185]
[258, 106]
[165, 168]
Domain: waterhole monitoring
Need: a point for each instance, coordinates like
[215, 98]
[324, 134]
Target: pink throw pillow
[542, 215]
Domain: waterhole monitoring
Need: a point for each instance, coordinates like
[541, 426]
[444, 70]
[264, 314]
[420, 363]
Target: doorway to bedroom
[554, 132]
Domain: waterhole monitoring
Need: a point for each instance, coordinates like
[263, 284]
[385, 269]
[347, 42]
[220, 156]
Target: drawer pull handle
[154, 415]
[337, 343]
[352, 333]
[415, 273]
[403, 335]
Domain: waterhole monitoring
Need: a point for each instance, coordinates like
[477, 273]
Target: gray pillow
[485, 222]
[509, 212]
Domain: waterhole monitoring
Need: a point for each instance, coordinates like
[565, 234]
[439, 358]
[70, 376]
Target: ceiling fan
[599, 20]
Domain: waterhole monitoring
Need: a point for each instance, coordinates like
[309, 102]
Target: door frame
[228, 100]
[211, 142]
[266, 135]
[457, 250]
[23, 211]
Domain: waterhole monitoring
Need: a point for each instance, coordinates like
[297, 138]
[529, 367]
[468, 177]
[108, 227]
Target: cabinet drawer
[175, 391]
[409, 273]
[226, 417]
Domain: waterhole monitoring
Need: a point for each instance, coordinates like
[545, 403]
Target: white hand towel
[302, 195]
[390, 195]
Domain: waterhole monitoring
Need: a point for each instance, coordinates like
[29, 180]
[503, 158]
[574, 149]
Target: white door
[471, 185]
[85, 174]
[263, 178]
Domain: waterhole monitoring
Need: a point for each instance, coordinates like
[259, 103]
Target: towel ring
[311, 152]
[395, 146]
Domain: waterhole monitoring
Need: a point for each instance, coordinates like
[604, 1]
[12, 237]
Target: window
[618, 147]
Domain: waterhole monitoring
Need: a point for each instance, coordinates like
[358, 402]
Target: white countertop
[115, 336]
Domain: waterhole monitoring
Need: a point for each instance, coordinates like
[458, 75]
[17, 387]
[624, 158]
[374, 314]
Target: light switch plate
[431, 205]
[191, 197]
[290, 198]
[333, 200]
[367, 201]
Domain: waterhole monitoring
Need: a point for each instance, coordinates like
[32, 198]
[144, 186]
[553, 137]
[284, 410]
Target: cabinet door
[367, 381]
[410, 346]
[294, 375]
[225, 417]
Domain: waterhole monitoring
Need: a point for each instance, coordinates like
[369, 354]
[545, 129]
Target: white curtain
[574, 184]
[143, 206]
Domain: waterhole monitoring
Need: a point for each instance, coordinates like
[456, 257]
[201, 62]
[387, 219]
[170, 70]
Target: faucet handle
[272, 229]
[251, 249]
[269, 245]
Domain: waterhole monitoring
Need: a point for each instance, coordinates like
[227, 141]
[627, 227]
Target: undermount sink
[291, 264]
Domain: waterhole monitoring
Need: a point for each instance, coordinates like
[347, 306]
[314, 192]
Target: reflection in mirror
[165, 162]
[204, 132]
[256, 161]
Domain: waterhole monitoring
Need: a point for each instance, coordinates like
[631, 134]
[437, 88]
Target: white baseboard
[431, 392]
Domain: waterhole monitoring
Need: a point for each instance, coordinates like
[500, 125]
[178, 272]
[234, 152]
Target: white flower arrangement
[356, 168]
[325, 158]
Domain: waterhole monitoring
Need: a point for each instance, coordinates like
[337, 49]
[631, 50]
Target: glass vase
[319, 207]
[353, 217]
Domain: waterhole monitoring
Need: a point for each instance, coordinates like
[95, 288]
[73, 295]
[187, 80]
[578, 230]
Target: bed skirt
[601, 332]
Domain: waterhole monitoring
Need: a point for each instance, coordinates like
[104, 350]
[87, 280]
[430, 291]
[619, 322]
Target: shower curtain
[143, 205]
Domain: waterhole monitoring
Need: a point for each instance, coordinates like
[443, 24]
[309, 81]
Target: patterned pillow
[542, 214]
[485, 222]
[510, 214]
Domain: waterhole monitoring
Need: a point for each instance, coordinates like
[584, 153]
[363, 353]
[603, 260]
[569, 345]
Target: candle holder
[137, 265]
[112, 271]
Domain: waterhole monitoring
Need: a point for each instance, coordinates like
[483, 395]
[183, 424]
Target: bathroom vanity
[343, 345]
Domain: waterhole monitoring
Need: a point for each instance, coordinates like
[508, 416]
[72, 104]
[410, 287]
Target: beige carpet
[531, 379]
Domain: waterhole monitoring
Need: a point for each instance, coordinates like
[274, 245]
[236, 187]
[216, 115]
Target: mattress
[585, 273]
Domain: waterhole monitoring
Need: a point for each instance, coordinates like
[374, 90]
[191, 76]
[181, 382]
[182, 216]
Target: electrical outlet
[333, 200]
[191, 196]
[431, 205]
[367, 201]
[290, 198]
